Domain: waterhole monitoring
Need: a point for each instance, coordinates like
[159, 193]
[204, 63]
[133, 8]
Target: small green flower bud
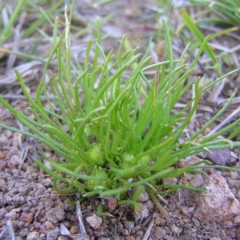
[127, 160]
[97, 156]
[145, 160]
[98, 184]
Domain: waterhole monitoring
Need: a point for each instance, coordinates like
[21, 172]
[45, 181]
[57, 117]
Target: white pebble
[94, 221]
[32, 235]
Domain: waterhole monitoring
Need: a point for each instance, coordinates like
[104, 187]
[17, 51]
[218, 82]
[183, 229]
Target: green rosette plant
[113, 124]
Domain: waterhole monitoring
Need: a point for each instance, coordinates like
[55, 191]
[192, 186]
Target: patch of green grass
[115, 127]
[35, 20]
[215, 56]
[29, 18]
[7, 30]
[226, 11]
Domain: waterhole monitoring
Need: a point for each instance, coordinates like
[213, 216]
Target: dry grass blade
[227, 120]
[28, 70]
[82, 228]
[159, 206]
[11, 230]
[216, 91]
[16, 42]
[148, 231]
[236, 100]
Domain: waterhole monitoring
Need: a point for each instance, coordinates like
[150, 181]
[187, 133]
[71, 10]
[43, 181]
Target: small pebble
[186, 220]
[2, 155]
[234, 175]
[238, 233]
[15, 139]
[3, 212]
[3, 165]
[62, 238]
[67, 224]
[237, 219]
[196, 222]
[159, 233]
[94, 221]
[13, 161]
[21, 224]
[167, 237]
[24, 232]
[149, 205]
[136, 228]
[32, 235]
[197, 180]
[52, 235]
[125, 232]
[159, 221]
[219, 157]
[139, 233]
[143, 197]
[27, 217]
[232, 234]
[112, 203]
[23, 190]
[73, 229]
[31, 169]
[60, 214]
[176, 230]
[47, 182]
[130, 238]
[170, 180]
[13, 214]
[188, 161]
[3, 185]
[233, 182]
[8, 133]
[184, 210]
[129, 225]
[42, 236]
[119, 227]
[3, 140]
[49, 225]
[225, 238]
[144, 212]
[37, 225]
[228, 224]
